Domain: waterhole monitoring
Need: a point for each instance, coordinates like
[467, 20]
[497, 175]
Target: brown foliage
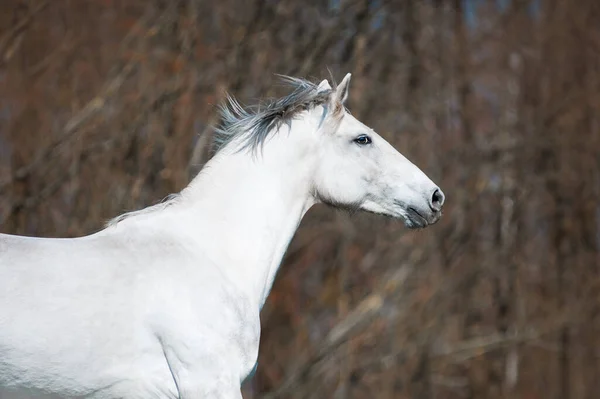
[106, 106]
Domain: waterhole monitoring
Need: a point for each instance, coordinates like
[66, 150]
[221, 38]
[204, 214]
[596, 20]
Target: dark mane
[255, 123]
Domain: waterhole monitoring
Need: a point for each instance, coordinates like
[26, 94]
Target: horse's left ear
[341, 91]
[323, 86]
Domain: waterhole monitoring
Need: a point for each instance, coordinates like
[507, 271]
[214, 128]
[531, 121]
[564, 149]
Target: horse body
[120, 323]
[60, 318]
[165, 302]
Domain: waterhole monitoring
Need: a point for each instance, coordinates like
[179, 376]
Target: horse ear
[341, 91]
[323, 86]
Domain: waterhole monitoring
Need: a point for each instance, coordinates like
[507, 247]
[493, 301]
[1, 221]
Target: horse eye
[363, 139]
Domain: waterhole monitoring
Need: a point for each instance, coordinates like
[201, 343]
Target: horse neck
[248, 208]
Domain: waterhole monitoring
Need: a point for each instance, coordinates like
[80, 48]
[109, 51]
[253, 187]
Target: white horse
[165, 302]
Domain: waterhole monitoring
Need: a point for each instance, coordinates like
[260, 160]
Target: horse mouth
[416, 219]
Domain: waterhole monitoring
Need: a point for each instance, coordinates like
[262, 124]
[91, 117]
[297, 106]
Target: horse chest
[244, 332]
[220, 322]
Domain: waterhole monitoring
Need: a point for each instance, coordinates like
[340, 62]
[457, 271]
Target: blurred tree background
[107, 106]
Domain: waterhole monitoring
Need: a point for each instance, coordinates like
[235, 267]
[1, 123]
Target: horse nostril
[437, 200]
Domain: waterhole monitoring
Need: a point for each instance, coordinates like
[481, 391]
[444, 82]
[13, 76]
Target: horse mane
[254, 124]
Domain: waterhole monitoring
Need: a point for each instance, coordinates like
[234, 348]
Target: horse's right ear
[340, 95]
[341, 91]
